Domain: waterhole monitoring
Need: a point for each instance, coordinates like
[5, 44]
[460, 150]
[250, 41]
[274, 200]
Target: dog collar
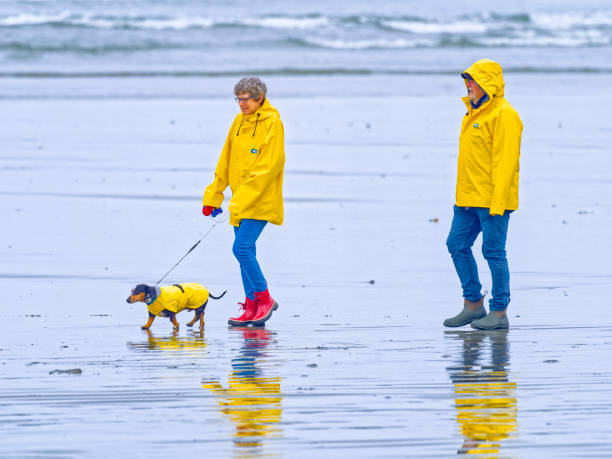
[151, 299]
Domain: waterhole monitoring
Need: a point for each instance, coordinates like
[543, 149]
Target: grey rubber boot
[467, 315]
[491, 322]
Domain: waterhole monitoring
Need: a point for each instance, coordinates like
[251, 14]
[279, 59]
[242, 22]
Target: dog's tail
[216, 297]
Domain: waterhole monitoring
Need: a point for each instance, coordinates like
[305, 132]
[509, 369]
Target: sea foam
[418, 27]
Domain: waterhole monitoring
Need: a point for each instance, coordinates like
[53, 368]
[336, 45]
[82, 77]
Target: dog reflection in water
[251, 401]
[484, 395]
[188, 345]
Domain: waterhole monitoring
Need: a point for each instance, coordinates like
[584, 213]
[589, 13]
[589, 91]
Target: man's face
[248, 105]
[475, 93]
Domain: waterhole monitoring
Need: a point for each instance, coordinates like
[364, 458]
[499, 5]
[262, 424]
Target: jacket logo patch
[254, 151]
[476, 125]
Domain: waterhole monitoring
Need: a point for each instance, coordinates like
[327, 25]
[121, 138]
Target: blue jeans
[468, 222]
[244, 251]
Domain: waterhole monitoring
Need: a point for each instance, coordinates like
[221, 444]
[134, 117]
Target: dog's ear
[141, 288]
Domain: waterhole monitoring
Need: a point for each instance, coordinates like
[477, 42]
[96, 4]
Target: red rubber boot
[250, 309]
[265, 306]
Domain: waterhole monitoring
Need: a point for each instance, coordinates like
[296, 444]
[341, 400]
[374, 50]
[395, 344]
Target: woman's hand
[211, 211]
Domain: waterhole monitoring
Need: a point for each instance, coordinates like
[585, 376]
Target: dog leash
[195, 245]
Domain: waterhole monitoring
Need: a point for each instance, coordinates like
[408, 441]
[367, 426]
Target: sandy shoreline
[103, 191]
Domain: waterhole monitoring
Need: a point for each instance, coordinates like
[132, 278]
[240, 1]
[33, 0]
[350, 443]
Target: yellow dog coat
[177, 297]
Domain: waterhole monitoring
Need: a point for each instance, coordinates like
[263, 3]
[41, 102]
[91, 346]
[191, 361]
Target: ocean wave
[532, 41]
[286, 22]
[128, 31]
[397, 43]
[564, 21]
[414, 24]
[420, 27]
[174, 24]
[490, 23]
[85, 49]
[482, 23]
[24, 19]
[25, 51]
[67, 19]
[529, 40]
[295, 71]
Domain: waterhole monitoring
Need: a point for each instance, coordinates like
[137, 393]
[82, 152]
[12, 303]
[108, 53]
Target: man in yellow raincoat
[487, 192]
[251, 163]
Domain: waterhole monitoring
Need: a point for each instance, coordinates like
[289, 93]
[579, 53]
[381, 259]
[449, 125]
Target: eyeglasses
[244, 99]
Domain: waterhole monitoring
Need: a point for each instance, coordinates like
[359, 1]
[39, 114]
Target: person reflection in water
[484, 396]
[251, 401]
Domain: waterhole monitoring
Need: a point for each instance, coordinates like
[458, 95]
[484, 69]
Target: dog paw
[144, 328]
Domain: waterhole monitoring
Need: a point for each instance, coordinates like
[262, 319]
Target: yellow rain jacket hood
[252, 163]
[489, 146]
[172, 298]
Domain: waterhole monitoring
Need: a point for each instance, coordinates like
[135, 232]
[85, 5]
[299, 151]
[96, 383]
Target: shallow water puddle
[258, 392]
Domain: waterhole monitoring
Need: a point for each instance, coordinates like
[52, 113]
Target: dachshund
[170, 300]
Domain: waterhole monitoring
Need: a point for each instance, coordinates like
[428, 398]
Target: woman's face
[248, 104]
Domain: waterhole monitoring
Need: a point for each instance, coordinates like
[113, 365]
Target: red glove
[210, 210]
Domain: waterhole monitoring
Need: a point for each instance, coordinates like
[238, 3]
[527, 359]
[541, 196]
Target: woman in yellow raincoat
[251, 163]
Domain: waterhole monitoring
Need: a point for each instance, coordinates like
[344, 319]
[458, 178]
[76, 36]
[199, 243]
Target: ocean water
[149, 37]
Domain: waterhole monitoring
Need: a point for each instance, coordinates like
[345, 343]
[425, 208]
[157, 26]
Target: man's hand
[211, 211]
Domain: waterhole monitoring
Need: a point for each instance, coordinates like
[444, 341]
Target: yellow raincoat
[253, 403]
[486, 413]
[489, 146]
[252, 163]
[175, 300]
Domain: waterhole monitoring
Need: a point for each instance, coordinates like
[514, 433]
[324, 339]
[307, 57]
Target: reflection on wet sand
[194, 343]
[484, 395]
[252, 401]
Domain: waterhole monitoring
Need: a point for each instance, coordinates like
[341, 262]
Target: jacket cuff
[497, 210]
[206, 201]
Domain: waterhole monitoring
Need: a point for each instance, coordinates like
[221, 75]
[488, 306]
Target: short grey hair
[251, 85]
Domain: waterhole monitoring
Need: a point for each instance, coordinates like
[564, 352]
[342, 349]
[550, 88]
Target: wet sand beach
[101, 184]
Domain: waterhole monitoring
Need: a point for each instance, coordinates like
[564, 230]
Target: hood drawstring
[255, 130]
[238, 131]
